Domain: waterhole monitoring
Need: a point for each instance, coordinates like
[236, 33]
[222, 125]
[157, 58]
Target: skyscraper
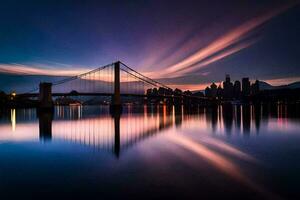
[228, 88]
[227, 78]
[237, 89]
[214, 89]
[255, 88]
[207, 92]
[245, 86]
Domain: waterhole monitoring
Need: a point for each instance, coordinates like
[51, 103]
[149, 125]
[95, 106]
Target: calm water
[151, 152]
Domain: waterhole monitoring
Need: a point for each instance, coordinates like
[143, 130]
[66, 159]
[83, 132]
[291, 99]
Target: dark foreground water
[156, 152]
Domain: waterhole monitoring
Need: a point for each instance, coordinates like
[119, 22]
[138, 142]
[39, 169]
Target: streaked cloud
[230, 43]
[40, 69]
[215, 58]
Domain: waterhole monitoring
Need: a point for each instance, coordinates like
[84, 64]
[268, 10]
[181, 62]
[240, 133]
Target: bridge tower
[116, 101]
[45, 96]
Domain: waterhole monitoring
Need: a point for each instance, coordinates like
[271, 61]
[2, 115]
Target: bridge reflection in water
[114, 133]
[95, 126]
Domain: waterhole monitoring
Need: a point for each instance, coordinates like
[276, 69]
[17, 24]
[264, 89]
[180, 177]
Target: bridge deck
[31, 95]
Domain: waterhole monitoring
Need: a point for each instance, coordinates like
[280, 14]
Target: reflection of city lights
[13, 119]
[75, 111]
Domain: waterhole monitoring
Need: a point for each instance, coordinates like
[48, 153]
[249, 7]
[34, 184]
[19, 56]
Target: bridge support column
[117, 134]
[45, 125]
[45, 96]
[116, 100]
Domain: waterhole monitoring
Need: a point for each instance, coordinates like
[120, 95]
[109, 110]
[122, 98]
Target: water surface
[249, 152]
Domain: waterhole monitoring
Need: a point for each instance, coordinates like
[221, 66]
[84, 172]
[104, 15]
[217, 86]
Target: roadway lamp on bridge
[13, 95]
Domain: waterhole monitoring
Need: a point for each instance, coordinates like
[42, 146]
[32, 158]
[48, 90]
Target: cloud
[21, 69]
[215, 58]
[231, 42]
[205, 73]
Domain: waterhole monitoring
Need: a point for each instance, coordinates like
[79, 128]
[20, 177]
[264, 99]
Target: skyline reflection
[95, 126]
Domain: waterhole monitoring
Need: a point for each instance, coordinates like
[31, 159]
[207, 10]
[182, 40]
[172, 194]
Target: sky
[185, 44]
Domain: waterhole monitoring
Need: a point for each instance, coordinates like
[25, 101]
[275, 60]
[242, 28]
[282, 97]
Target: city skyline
[190, 51]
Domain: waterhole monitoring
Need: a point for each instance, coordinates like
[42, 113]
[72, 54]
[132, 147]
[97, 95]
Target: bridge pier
[45, 96]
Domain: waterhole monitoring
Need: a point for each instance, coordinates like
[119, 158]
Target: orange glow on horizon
[191, 87]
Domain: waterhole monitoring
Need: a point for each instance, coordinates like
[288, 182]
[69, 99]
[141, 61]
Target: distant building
[227, 78]
[149, 91]
[198, 94]
[214, 90]
[177, 92]
[207, 92]
[3, 98]
[246, 86]
[188, 93]
[220, 92]
[237, 89]
[227, 88]
[154, 91]
[255, 88]
[162, 91]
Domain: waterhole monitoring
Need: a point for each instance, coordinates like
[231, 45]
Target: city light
[13, 95]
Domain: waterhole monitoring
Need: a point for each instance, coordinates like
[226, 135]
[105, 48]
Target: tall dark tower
[227, 78]
[45, 96]
[116, 97]
[245, 86]
[228, 88]
[237, 89]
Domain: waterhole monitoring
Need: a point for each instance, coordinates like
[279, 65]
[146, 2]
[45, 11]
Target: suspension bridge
[117, 81]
